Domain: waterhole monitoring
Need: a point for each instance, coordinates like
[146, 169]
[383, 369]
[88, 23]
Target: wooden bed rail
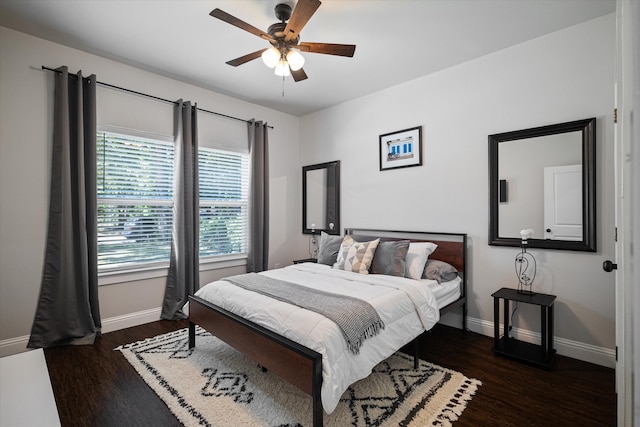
[296, 364]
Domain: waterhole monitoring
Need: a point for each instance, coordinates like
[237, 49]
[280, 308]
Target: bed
[309, 356]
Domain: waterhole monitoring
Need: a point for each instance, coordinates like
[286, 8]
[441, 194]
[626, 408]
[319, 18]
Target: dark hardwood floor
[96, 386]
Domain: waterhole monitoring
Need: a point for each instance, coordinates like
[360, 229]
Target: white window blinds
[224, 183]
[135, 192]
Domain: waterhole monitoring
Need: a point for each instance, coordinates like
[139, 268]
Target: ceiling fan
[284, 55]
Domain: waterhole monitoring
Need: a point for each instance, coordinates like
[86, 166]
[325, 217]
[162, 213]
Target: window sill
[162, 270]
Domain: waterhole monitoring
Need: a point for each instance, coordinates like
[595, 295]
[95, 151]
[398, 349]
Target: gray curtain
[183, 279]
[68, 311]
[258, 256]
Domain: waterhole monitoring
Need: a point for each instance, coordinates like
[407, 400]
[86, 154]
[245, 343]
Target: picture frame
[401, 149]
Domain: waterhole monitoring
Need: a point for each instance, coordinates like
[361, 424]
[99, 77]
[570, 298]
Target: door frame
[627, 320]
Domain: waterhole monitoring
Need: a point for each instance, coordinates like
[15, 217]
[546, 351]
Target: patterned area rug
[214, 385]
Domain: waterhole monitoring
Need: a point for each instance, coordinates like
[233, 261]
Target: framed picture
[401, 149]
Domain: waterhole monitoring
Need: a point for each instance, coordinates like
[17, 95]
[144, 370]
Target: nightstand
[300, 261]
[542, 354]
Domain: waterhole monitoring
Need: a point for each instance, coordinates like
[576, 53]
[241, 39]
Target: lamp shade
[282, 69]
[270, 57]
[295, 60]
[526, 233]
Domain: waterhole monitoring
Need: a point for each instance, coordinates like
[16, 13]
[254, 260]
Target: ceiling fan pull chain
[283, 86]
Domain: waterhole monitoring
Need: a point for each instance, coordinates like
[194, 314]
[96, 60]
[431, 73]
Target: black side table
[542, 354]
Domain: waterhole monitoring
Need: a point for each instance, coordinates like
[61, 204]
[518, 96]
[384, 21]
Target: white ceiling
[397, 40]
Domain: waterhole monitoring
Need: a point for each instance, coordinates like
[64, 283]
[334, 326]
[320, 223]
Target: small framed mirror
[321, 198]
[543, 179]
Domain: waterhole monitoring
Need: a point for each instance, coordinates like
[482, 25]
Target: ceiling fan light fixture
[270, 57]
[295, 60]
[282, 69]
[284, 53]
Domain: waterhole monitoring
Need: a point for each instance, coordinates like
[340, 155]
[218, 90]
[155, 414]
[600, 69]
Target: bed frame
[293, 362]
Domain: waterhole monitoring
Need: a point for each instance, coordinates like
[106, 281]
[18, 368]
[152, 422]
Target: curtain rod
[157, 98]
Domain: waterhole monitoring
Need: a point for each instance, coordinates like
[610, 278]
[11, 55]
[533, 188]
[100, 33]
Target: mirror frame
[588, 129]
[335, 165]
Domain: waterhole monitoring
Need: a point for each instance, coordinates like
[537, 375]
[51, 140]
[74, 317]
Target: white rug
[214, 385]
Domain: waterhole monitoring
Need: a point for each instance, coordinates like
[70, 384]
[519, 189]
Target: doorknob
[609, 266]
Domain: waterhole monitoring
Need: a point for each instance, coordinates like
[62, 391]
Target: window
[135, 193]
[135, 200]
[224, 205]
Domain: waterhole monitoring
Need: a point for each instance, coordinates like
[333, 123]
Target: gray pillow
[328, 248]
[439, 270]
[389, 258]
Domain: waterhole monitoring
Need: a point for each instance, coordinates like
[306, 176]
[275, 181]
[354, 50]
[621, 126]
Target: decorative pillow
[356, 256]
[389, 258]
[344, 247]
[328, 248]
[439, 270]
[417, 258]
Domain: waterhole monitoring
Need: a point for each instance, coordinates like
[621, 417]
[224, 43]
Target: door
[563, 202]
[627, 22]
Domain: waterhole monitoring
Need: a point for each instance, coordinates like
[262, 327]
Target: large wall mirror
[544, 179]
[321, 198]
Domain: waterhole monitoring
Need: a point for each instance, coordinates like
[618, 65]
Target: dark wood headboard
[452, 247]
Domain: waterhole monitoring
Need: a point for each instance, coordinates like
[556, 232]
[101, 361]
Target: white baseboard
[132, 319]
[19, 344]
[574, 349]
[14, 345]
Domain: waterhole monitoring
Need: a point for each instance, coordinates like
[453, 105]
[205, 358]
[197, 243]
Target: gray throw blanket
[357, 319]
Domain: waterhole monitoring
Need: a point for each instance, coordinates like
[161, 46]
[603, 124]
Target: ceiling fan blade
[246, 58]
[230, 19]
[328, 48]
[298, 75]
[303, 11]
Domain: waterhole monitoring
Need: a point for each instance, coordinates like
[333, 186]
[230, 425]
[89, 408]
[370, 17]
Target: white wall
[25, 151]
[561, 77]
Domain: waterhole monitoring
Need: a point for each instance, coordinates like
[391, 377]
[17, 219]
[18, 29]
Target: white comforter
[406, 306]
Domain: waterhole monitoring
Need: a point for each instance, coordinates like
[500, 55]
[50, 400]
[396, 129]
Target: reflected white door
[563, 202]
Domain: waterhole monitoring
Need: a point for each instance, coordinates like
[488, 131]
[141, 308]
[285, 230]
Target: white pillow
[416, 258]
